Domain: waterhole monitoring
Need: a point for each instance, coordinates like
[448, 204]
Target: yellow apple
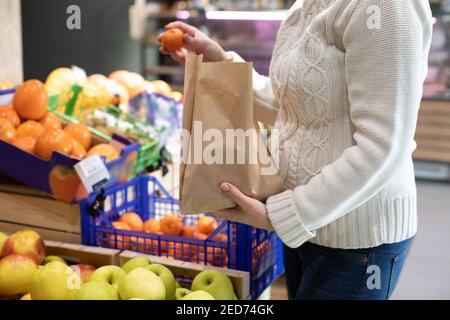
[137, 262]
[97, 291]
[108, 274]
[26, 297]
[143, 284]
[25, 243]
[181, 293]
[49, 259]
[16, 274]
[167, 278]
[215, 283]
[198, 295]
[55, 281]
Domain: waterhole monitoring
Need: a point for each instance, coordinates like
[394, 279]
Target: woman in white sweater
[344, 91]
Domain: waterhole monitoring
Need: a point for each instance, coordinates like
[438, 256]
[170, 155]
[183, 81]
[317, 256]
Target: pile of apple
[26, 272]
[171, 225]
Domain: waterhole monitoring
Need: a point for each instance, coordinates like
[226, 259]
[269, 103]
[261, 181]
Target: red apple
[84, 271]
[26, 243]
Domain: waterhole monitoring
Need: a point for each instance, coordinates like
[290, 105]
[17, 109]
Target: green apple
[142, 283]
[55, 281]
[16, 273]
[49, 259]
[198, 295]
[97, 291]
[179, 285]
[25, 243]
[137, 262]
[181, 293]
[216, 283]
[3, 238]
[108, 274]
[167, 278]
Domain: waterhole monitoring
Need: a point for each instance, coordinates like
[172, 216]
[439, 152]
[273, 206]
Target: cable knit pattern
[346, 77]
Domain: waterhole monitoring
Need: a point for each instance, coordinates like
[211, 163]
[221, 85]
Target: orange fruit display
[27, 144]
[7, 131]
[123, 242]
[30, 129]
[133, 220]
[78, 150]
[9, 114]
[171, 225]
[53, 140]
[81, 133]
[207, 225]
[133, 82]
[105, 150]
[31, 100]
[173, 40]
[64, 183]
[189, 232]
[161, 87]
[152, 226]
[50, 121]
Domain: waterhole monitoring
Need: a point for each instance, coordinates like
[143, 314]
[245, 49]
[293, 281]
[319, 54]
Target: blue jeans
[319, 273]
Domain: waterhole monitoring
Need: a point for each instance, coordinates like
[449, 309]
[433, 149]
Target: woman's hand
[249, 211]
[197, 42]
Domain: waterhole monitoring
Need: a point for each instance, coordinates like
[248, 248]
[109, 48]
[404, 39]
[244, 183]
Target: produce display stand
[22, 207]
[185, 272]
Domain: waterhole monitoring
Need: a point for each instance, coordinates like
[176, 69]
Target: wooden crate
[240, 279]
[433, 132]
[79, 254]
[22, 207]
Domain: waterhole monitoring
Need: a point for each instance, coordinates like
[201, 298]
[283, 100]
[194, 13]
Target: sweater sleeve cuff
[286, 220]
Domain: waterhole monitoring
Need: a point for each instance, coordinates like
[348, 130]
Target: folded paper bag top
[221, 141]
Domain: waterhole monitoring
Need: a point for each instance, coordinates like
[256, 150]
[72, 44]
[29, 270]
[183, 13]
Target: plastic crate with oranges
[141, 216]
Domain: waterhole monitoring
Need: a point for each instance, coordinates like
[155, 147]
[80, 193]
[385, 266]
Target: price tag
[92, 172]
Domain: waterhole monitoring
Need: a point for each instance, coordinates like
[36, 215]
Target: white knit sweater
[346, 82]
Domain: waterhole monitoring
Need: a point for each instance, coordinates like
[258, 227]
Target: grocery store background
[105, 44]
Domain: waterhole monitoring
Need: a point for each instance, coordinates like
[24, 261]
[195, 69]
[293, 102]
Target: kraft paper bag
[219, 102]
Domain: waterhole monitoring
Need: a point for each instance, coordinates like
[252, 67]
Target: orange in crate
[171, 225]
[152, 226]
[123, 242]
[53, 140]
[31, 100]
[30, 129]
[9, 114]
[50, 121]
[133, 220]
[7, 131]
[27, 144]
[189, 232]
[207, 224]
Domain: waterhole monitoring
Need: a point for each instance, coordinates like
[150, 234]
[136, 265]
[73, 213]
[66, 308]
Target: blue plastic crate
[232, 245]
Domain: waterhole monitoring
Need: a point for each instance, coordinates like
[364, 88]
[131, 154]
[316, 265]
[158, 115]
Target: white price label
[92, 172]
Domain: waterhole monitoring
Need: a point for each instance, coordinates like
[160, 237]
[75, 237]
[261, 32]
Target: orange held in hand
[152, 226]
[10, 115]
[171, 225]
[50, 121]
[27, 144]
[7, 131]
[30, 129]
[53, 140]
[31, 100]
[81, 133]
[105, 150]
[207, 225]
[173, 40]
[133, 220]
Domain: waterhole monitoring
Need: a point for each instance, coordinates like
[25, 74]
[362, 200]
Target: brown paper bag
[218, 111]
